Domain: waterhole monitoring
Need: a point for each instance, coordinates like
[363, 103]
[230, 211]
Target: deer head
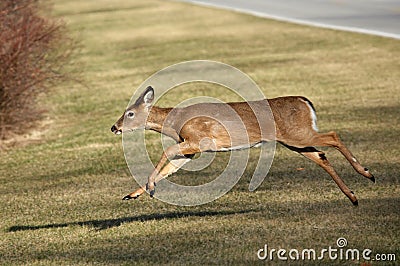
[135, 116]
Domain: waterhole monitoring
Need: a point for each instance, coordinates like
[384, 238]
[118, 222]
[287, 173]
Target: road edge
[297, 21]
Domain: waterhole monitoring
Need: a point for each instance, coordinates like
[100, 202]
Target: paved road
[377, 17]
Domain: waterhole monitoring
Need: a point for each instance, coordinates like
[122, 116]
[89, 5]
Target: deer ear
[148, 96]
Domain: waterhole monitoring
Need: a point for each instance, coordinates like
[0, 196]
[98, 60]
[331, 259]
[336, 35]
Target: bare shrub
[33, 52]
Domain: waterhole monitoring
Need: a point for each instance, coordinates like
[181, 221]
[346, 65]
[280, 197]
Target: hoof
[129, 197]
[353, 199]
[369, 175]
[373, 178]
[151, 189]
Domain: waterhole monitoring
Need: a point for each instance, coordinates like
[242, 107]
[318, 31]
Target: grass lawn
[61, 187]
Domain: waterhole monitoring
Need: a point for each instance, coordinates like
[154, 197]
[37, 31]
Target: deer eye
[130, 114]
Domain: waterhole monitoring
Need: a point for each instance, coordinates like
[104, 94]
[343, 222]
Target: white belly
[241, 147]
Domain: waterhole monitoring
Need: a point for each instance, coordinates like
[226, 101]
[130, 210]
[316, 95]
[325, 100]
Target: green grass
[61, 193]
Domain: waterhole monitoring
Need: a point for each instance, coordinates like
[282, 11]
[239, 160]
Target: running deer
[212, 127]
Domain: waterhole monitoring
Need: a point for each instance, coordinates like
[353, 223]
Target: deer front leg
[168, 170]
[180, 149]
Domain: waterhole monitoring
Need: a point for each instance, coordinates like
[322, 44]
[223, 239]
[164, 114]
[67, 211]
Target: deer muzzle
[116, 130]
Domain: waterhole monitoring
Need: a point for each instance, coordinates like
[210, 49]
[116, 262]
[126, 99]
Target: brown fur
[219, 127]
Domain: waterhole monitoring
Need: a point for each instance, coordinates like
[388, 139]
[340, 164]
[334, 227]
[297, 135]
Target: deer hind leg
[319, 158]
[332, 139]
[173, 166]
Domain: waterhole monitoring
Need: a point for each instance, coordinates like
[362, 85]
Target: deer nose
[115, 130]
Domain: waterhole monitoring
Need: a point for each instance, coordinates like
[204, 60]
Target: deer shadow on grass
[110, 223]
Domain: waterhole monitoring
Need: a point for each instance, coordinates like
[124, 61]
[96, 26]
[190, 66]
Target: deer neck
[157, 121]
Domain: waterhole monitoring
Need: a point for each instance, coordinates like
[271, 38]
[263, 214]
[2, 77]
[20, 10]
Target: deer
[218, 127]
